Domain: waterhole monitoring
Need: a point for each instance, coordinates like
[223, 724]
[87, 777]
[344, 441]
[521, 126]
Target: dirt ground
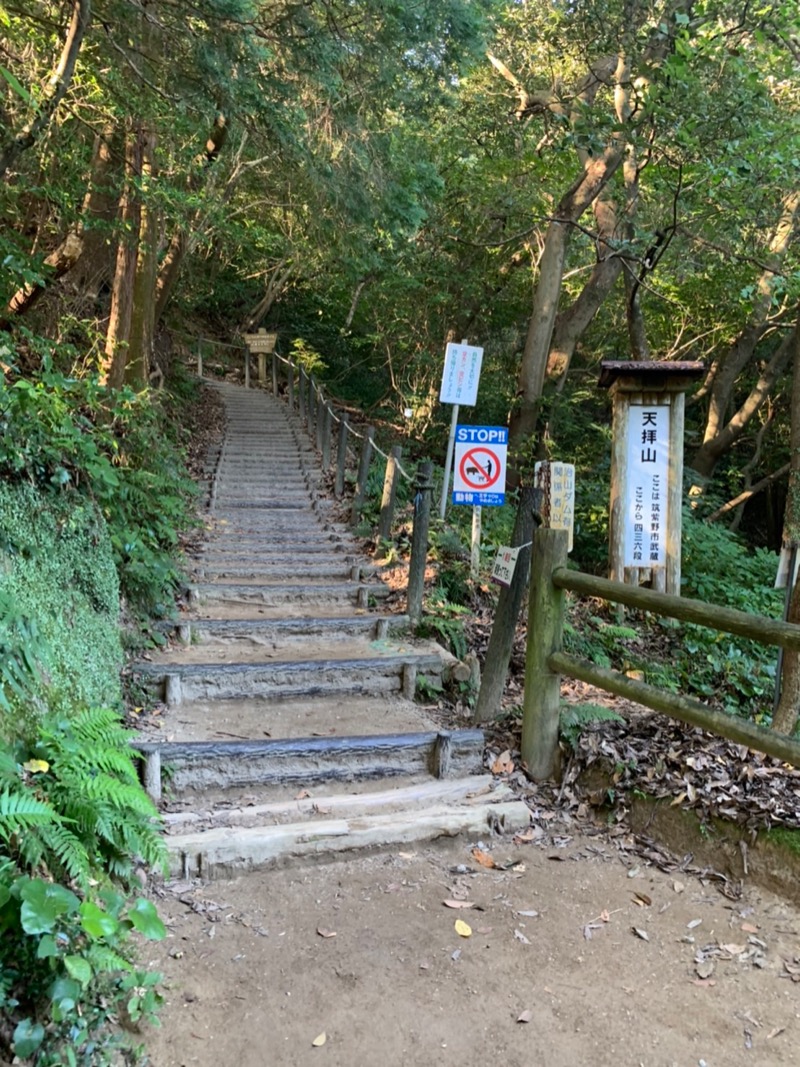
[582, 954]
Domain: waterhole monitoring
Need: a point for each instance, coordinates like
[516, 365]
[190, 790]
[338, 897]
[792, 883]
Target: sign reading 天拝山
[646, 498]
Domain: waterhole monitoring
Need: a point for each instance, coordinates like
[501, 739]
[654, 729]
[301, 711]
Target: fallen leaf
[319, 810]
[693, 924]
[36, 766]
[483, 858]
[325, 933]
[407, 855]
[320, 1040]
[525, 1016]
[526, 837]
[302, 795]
[458, 904]
[734, 950]
[678, 887]
[705, 969]
[521, 937]
[605, 916]
[775, 1032]
[530, 914]
[642, 899]
[633, 872]
[463, 929]
[749, 928]
[643, 934]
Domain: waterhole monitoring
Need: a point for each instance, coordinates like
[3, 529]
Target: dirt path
[253, 979]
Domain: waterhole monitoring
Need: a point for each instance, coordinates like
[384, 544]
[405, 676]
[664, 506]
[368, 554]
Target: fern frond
[19, 811]
[69, 852]
[574, 718]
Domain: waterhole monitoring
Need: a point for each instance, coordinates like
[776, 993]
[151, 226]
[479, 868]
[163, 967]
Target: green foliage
[574, 718]
[73, 819]
[75, 439]
[444, 621]
[57, 580]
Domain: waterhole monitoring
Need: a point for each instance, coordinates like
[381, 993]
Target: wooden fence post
[389, 493]
[327, 433]
[290, 384]
[341, 454]
[363, 474]
[319, 425]
[302, 382]
[199, 358]
[274, 374]
[312, 405]
[541, 703]
[247, 369]
[423, 491]
[506, 615]
[262, 368]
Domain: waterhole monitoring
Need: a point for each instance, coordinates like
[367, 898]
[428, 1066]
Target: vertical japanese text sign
[646, 504]
[462, 371]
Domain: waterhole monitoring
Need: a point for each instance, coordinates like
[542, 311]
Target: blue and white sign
[480, 465]
[462, 372]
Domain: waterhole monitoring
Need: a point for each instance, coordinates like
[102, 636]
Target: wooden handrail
[757, 627]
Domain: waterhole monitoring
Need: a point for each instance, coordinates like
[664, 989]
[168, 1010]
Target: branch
[745, 496]
[57, 87]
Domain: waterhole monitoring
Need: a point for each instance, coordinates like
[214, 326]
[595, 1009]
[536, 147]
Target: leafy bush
[72, 818]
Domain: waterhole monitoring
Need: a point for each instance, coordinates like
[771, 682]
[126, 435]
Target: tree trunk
[59, 262]
[119, 322]
[96, 265]
[13, 146]
[142, 331]
[784, 720]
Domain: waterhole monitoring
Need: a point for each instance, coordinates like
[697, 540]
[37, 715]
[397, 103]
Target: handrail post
[389, 493]
[341, 454]
[423, 492]
[274, 373]
[327, 433]
[319, 425]
[363, 473]
[541, 703]
[199, 358]
[312, 405]
[247, 369]
[290, 384]
[302, 383]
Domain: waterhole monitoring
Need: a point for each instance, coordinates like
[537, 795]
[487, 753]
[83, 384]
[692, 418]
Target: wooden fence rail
[546, 662]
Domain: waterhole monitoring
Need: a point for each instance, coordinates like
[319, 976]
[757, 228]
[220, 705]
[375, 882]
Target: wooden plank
[220, 852]
[757, 627]
[687, 709]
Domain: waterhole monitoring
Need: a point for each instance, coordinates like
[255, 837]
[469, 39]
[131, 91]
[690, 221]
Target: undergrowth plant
[74, 826]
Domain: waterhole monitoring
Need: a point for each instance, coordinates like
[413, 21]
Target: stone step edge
[475, 789]
[223, 852]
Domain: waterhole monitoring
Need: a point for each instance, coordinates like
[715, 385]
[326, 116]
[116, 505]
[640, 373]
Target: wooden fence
[318, 416]
[546, 662]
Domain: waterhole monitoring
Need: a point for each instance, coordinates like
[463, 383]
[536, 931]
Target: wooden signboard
[261, 341]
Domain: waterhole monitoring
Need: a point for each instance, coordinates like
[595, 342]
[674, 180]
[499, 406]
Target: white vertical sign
[462, 371]
[646, 504]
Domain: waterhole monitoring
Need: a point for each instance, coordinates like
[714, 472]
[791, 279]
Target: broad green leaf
[20, 90]
[79, 969]
[47, 947]
[28, 1036]
[96, 922]
[43, 903]
[144, 918]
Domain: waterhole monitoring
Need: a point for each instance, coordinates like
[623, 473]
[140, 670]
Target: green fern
[20, 812]
[575, 718]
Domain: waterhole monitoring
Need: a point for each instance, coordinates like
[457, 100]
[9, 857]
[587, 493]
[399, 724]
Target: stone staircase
[290, 726]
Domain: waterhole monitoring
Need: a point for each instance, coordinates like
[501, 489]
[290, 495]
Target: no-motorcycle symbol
[480, 465]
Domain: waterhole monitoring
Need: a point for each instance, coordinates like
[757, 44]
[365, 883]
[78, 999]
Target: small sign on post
[504, 566]
[261, 341]
[557, 484]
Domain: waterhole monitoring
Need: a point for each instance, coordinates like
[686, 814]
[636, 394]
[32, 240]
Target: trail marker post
[261, 344]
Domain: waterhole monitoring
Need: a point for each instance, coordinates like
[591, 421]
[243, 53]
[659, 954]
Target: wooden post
[327, 433]
[152, 775]
[262, 368]
[423, 491]
[302, 383]
[506, 615]
[199, 358]
[312, 405]
[675, 493]
[341, 454]
[319, 425]
[247, 369]
[389, 493]
[619, 487]
[475, 544]
[274, 374]
[363, 474]
[448, 463]
[541, 703]
[290, 384]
